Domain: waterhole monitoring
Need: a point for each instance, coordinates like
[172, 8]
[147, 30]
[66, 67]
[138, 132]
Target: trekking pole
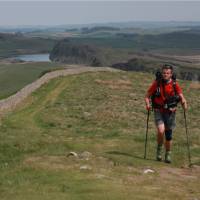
[188, 145]
[147, 127]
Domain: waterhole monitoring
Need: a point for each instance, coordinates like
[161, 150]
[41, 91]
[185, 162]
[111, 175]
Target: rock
[72, 153]
[87, 114]
[86, 155]
[147, 171]
[67, 51]
[100, 176]
[85, 167]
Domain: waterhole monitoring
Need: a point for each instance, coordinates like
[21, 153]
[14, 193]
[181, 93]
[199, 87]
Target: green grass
[13, 77]
[102, 113]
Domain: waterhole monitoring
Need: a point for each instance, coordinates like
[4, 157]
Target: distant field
[103, 114]
[176, 42]
[171, 40]
[11, 45]
[15, 76]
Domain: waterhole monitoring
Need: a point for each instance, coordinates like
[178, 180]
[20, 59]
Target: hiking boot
[168, 157]
[159, 152]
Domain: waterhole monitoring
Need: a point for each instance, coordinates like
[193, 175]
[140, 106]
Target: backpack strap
[174, 83]
[174, 87]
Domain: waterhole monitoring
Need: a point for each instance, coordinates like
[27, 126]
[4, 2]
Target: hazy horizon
[50, 13]
[101, 23]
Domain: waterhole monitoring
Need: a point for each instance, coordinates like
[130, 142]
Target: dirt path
[11, 102]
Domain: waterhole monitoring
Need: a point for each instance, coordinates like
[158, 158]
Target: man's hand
[183, 102]
[147, 101]
[184, 105]
[148, 107]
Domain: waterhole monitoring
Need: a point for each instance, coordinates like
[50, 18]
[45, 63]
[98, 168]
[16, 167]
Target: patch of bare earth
[184, 173]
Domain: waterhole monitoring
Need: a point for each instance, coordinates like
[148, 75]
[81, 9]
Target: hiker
[164, 94]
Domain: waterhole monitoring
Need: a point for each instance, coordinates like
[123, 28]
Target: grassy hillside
[15, 76]
[102, 113]
[176, 42]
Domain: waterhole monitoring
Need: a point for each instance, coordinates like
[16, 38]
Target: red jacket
[169, 91]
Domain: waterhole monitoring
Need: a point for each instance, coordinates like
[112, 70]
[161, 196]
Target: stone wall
[11, 102]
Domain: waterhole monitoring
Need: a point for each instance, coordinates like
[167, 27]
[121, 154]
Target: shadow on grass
[142, 158]
[129, 155]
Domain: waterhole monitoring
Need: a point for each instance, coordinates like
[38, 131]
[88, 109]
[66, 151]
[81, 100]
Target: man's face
[167, 74]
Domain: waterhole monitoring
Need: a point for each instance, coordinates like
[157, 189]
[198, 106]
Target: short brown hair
[167, 66]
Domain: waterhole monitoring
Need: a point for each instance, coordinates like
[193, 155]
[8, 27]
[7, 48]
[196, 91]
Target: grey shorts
[168, 118]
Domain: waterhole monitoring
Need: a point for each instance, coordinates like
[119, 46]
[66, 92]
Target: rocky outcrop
[66, 51]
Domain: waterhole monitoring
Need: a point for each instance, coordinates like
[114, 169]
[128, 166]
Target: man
[165, 93]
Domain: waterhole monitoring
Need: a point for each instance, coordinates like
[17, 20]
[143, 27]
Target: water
[34, 57]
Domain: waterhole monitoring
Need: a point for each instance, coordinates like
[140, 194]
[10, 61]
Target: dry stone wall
[11, 102]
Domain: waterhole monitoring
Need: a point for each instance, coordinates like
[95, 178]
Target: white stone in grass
[87, 114]
[72, 153]
[147, 171]
[85, 167]
[100, 176]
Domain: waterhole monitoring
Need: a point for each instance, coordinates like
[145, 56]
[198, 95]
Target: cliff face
[66, 51]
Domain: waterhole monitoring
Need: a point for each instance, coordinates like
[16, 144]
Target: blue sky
[84, 12]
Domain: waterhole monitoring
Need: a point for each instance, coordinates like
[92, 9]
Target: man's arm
[180, 93]
[183, 101]
[149, 93]
[147, 101]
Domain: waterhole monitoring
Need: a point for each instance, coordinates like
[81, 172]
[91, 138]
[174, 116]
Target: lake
[34, 57]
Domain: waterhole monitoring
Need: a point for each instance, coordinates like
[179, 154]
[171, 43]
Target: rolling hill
[82, 137]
